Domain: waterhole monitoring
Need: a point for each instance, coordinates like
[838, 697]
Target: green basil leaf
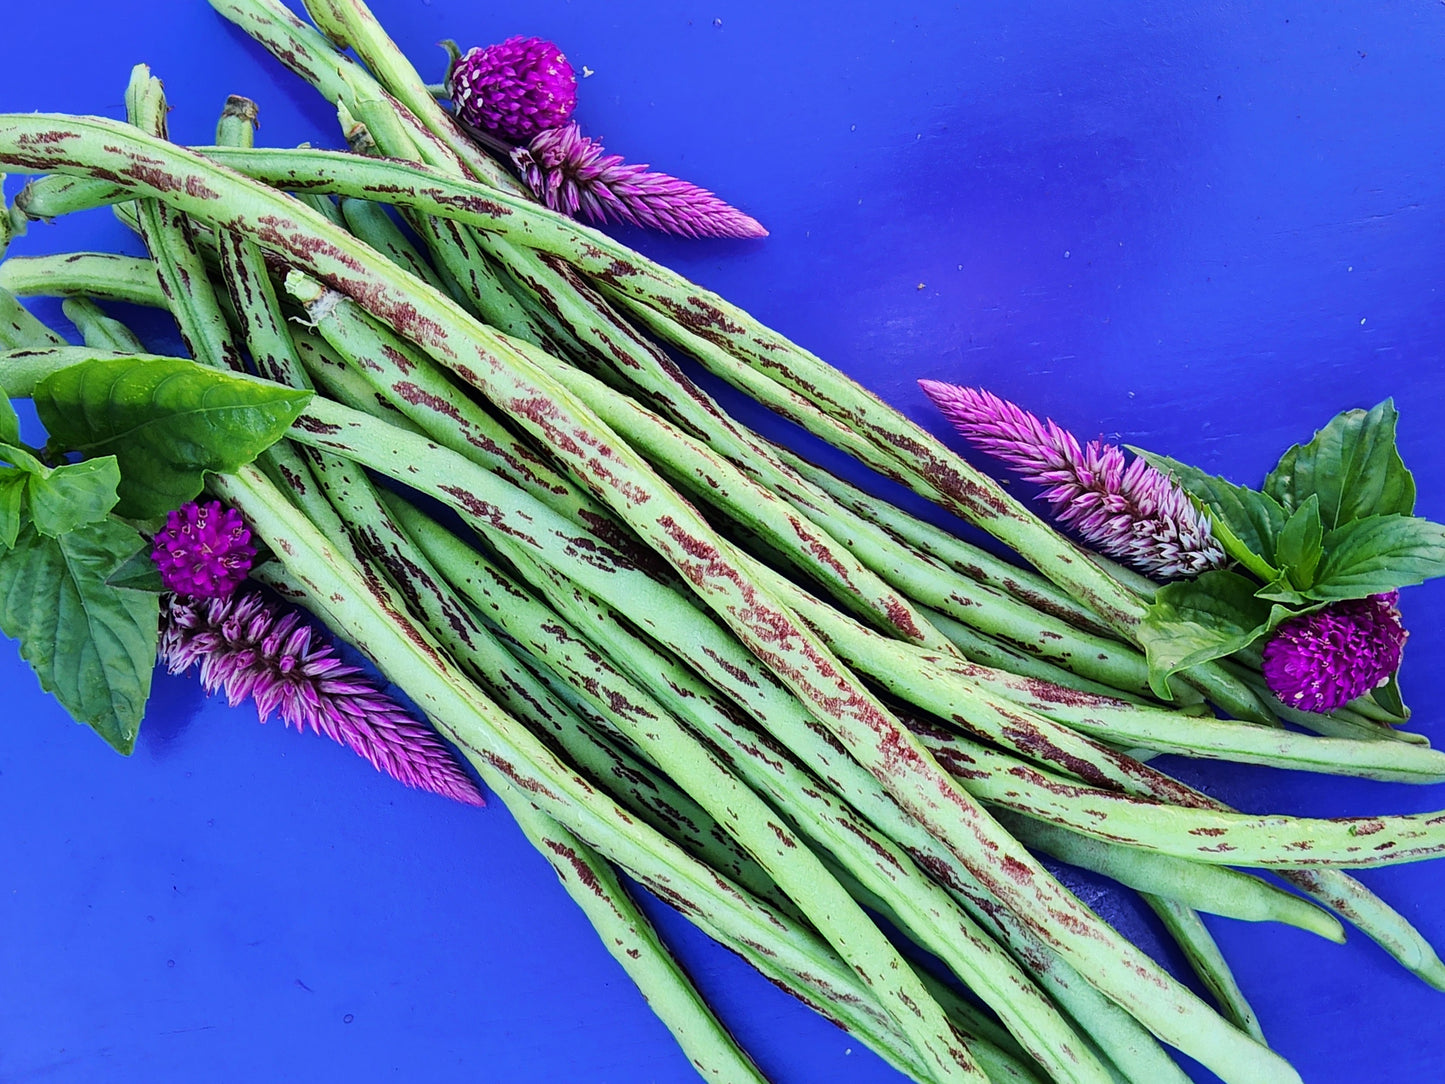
[9, 422]
[1280, 589]
[1378, 554]
[12, 503]
[1301, 543]
[1252, 520]
[1352, 465]
[137, 572]
[73, 495]
[92, 646]
[1388, 697]
[166, 420]
[1193, 621]
[1237, 550]
[12, 453]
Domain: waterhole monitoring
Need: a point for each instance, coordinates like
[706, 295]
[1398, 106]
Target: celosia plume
[574, 175]
[515, 89]
[1321, 661]
[1128, 511]
[252, 649]
[204, 550]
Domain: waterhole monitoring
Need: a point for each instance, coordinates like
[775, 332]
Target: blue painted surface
[1204, 229]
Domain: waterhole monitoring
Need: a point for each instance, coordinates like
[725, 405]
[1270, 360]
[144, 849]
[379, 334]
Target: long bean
[625, 271]
[100, 275]
[167, 234]
[99, 330]
[458, 251]
[20, 329]
[1236, 839]
[1218, 890]
[635, 944]
[1126, 1040]
[978, 647]
[354, 26]
[395, 373]
[1199, 948]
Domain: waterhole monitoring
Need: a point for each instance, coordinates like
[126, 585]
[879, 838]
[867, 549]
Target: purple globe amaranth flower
[1126, 510]
[1321, 661]
[576, 176]
[515, 89]
[253, 649]
[204, 550]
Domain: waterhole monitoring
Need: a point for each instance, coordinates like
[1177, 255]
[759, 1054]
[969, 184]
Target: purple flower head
[515, 89]
[204, 550]
[576, 176]
[1125, 510]
[251, 648]
[1321, 661]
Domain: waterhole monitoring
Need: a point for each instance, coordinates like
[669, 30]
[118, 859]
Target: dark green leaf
[1388, 697]
[137, 572]
[9, 422]
[1352, 465]
[12, 503]
[167, 421]
[1378, 554]
[12, 453]
[1193, 621]
[1280, 589]
[1237, 550]
[1301, 544]
[74, 494]
[92, 646]
[1253, 519]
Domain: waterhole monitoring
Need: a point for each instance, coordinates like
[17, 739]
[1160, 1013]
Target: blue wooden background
[1205, 228]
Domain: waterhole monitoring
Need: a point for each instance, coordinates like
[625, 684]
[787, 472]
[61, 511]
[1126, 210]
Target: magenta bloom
[515, 89]
[574, 175]
[1129, 511]
[1321, 661]
[204, 550]
[250, 648]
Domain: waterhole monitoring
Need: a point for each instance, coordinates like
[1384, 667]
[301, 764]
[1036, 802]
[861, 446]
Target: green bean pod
[1205, 959]
[1218, 890]
[99, 330]
[20, 329]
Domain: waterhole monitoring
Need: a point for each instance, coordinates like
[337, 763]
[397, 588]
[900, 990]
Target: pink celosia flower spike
[1131, 511]
[251, 648]
[574, 175]
[1321, 661]
[515, 90]
[204, 550]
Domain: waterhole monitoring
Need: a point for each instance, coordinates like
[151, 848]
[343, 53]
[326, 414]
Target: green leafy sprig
[1334, 521]
[76, 586]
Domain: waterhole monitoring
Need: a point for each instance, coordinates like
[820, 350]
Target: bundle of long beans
[678, 650]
